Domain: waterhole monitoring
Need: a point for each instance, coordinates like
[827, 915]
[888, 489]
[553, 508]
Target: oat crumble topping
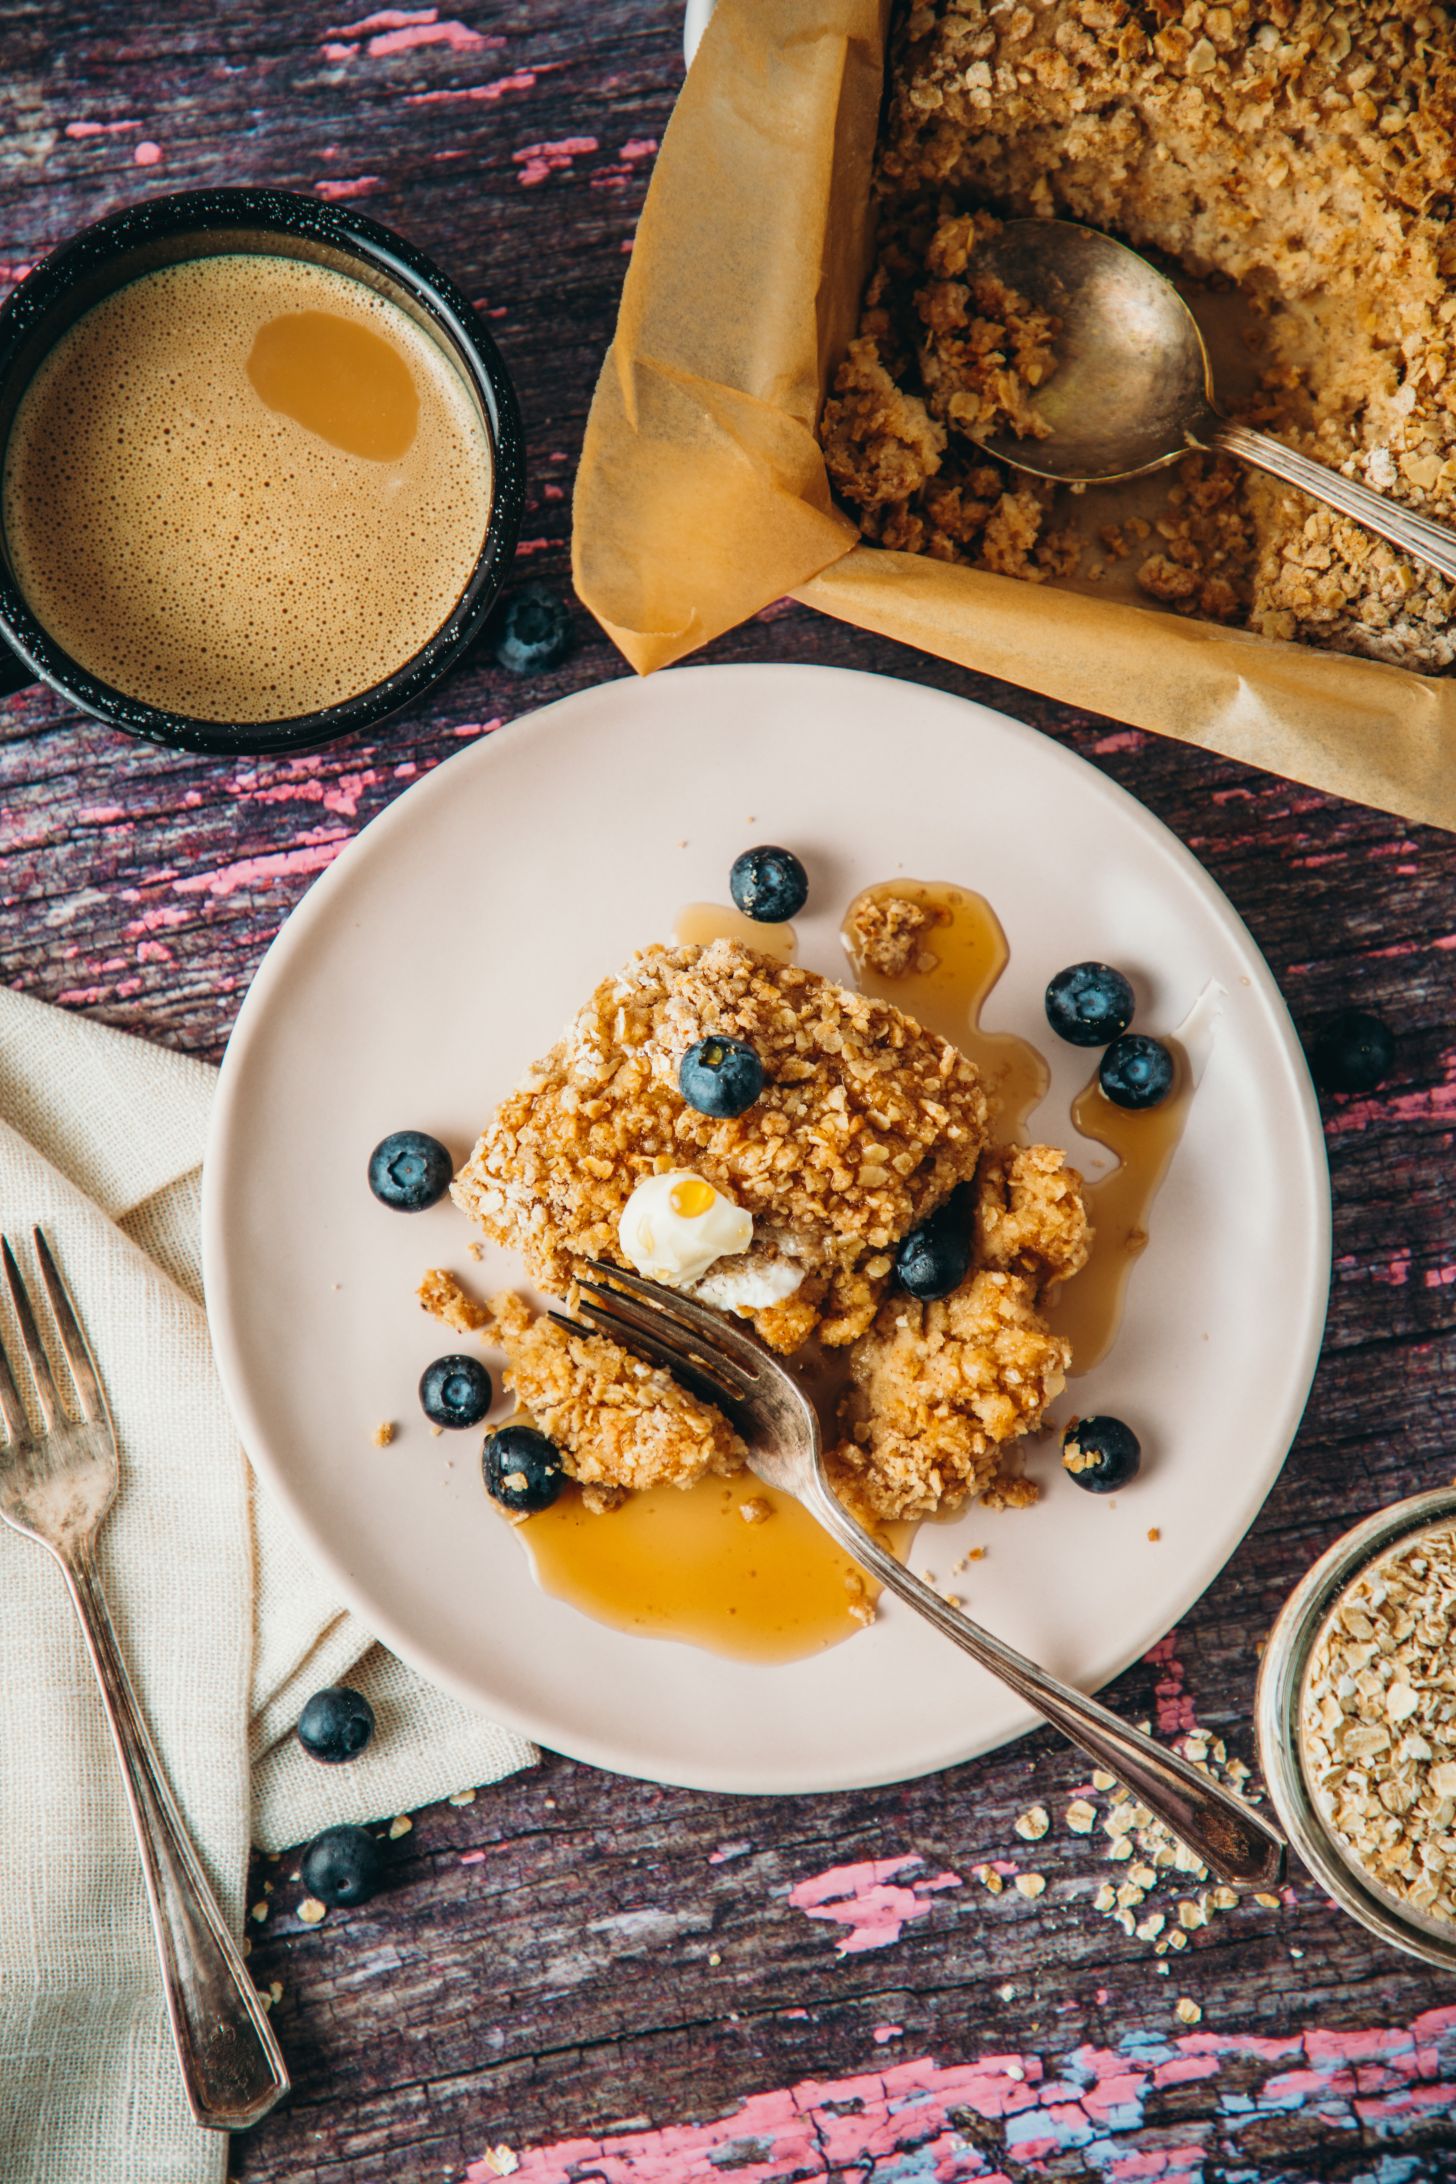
[442, 1294]
[617, 1420]
[1299, 150]
[886, 933]
[868, 1122]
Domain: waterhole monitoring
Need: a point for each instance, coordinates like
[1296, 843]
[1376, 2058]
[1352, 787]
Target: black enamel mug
[206, 223]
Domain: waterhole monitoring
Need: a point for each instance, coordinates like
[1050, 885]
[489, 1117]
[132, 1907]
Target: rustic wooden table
[611, 1980]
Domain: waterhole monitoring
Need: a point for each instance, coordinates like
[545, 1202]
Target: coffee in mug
[245, 487]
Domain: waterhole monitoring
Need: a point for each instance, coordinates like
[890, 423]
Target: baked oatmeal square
[865, 1124]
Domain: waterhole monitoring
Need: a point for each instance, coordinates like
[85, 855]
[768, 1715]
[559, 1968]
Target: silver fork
[779, 1426]
[56, 1486]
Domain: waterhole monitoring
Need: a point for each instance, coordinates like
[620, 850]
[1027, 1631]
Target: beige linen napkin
[226, 1627]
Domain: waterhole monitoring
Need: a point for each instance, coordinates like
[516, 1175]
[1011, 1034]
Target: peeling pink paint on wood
[1175, 1715]
[869, 1900]
[906, 2120]
[520, 79]
[262, 871]
[537, 161]
[361, 185]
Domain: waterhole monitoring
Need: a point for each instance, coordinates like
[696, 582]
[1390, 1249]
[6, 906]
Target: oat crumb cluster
[1378, 1722]
[866, 1124]
[1298, 151]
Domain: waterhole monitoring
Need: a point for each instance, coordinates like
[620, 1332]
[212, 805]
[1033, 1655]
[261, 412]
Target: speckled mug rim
[338, 228]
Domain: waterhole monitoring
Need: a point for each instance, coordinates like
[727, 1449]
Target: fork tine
[644, 1344]
[12, 1409]
[74, 1346]
[717, 1329]
[685, 1343]
[51, 1407]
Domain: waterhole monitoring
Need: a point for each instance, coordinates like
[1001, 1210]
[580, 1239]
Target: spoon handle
[1413, 534]
[1225, 1833]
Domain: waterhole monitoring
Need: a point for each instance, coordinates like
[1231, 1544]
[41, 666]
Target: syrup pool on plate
[1088, 1309]
[684, 1564]
[964, 955]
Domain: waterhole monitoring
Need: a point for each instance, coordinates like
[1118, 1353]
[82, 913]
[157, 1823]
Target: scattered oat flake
[1187, 2011]
[714, 1957]
[1032, 1824]
[500, 2160]
[260, 1912]
[1270, 1903]
[1029, 1884]
[462, 1797]
[399, 1825]
[1081, 1816]
[384, 1433]
[275, 1990]
[1102, 1780]
[312, 1912]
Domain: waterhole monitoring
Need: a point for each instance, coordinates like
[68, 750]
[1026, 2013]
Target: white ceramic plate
[448, 946]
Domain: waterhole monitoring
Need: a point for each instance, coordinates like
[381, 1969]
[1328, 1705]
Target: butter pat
[675, 1226]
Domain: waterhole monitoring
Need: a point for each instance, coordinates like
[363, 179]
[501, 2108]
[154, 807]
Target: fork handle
[1226, 1835]
[231, 2067]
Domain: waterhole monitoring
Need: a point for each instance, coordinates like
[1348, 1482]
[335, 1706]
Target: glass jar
[1279, 1711]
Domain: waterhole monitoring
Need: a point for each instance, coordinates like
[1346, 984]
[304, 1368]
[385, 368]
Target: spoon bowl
[1131, 387]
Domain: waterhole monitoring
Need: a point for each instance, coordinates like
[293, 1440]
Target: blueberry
[522, 1469]
[1089, 1004]
[343, 1865]
[1135, 1071]
[1351, 1052]
[720, 1076]
[532, 631]
[336, 1724]
[934, 1258]
[1102, 1454]
[455, 1391]
[769, 885]
[409, 1170]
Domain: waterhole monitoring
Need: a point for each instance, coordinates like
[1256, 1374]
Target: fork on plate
[58, 1478]
[779, 1426]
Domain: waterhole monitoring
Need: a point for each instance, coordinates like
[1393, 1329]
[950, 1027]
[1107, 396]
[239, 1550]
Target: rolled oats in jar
[1377, 1722]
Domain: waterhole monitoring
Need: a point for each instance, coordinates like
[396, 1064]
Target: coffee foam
[207, 553]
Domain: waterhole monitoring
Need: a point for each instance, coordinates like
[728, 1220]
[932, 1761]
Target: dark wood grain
[599, 1965]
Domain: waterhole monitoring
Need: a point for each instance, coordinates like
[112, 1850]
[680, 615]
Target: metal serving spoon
[719, 1360]
[1133, 387]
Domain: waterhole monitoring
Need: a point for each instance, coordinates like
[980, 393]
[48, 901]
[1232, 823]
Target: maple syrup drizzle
[964, 954]
[684, 1564]
[1088, 1309]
